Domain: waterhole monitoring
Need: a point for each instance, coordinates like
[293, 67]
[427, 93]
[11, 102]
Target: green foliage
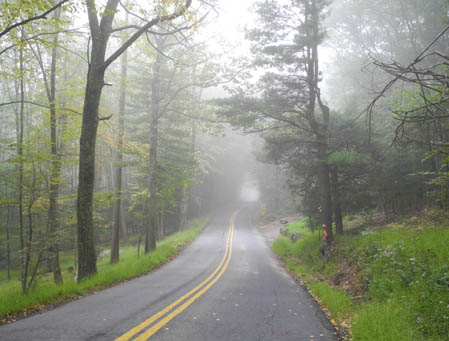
[405, 270]
[410, 265]
[282, 246]
[307, 249]
[16, 11]
[386, 321]
[350, 158]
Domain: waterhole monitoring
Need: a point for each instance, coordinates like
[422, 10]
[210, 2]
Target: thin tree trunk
[8, 246]
[55, 166]
[123, 225]
[150, 232]
[319, 127]
[160, 224]
[20, 170]
[138, 244]
[29, 242]
[184, 208]
[115, 249]
[336, 201]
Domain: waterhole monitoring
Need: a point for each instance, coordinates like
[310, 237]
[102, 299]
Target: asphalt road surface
[227, 285]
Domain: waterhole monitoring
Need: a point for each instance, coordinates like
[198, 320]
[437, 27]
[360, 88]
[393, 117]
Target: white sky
[234, 15]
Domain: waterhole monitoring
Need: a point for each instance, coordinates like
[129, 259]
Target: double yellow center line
[160, 319]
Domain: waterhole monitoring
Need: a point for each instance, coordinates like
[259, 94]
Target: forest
[123, 123]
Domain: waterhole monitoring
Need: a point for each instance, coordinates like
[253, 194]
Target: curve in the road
[185, 301]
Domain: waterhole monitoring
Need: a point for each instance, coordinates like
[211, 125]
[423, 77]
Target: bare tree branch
[159, 19]
[39, 105]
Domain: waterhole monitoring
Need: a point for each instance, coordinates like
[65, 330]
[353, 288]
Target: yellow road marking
[169, 317]
[207, 283]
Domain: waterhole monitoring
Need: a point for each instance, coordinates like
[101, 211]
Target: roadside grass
[45, 292]
[282, 246]
[300, 227]
[338, 304]
[403, 269]
[386, 321]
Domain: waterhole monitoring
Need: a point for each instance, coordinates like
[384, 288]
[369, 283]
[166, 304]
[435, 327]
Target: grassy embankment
[390, 282]
[45, 292]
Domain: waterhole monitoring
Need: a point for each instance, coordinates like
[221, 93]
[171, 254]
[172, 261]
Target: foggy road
[227, 285]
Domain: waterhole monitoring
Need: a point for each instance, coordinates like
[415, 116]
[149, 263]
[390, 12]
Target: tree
[156, 113]
[101, 30]
[422, 110]
[286, 43]
[384, 31]
[55, 172]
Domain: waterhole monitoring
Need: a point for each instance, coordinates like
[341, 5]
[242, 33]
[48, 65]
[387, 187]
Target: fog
[129, 121]
[249, 191]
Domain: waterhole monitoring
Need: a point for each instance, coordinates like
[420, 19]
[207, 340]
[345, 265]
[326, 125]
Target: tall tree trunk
[115, 250]
[150, 232]
[20, 167]
[319, 127]
[87, 258]
[28, 244]
[336, 201]
[55, 166]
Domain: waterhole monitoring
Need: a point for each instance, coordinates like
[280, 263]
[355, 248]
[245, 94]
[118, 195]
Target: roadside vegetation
[385, 282]
[45, 292]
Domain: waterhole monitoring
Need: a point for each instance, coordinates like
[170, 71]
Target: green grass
[282, 246]
[404, 268]
[300, 227]
[386, 321]
[335, 300]
[13, 302]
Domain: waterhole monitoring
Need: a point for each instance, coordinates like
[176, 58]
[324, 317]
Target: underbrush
[45, 292]
[397, 277]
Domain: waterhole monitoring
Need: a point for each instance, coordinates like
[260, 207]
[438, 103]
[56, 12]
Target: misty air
[224, 170]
